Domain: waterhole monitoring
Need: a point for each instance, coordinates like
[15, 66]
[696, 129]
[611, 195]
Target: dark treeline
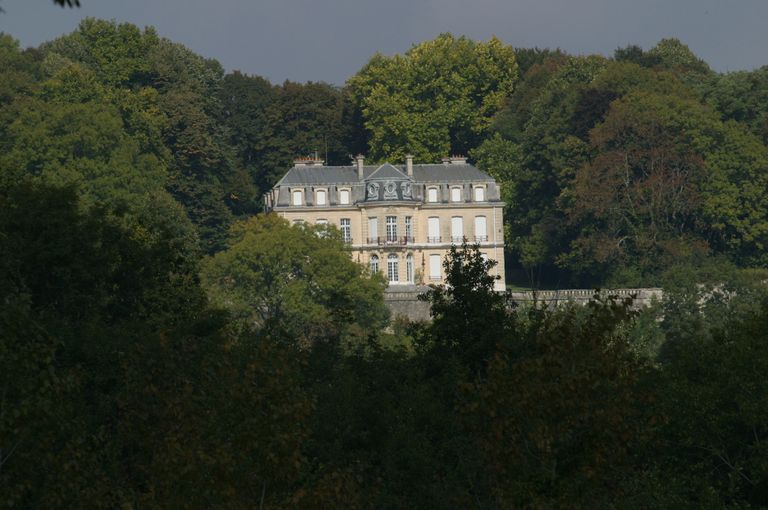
[162, 345]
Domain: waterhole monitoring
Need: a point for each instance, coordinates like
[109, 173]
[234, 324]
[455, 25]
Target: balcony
[434, 240]
[391, 241]
[481, 239]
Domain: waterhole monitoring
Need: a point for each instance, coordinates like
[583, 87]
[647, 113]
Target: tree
[562, 409]
[294, 279]
[437, 98]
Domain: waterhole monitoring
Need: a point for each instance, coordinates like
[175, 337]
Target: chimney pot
[409, 164]
[359, 162]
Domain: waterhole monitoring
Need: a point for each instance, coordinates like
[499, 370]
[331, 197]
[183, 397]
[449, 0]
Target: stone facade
[400, 220]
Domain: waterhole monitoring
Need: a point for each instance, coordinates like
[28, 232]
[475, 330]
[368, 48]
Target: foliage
[437, 98]
[294, 280]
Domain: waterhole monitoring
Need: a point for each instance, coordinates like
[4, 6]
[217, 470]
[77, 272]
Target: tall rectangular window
[481, 230]
[346, 230]
[392, 270]
[297, 197]
[433, 229]
[373, 230]
[391, 229]
[434, 267]
[479, 194]
[432, 195]
[320, 197]
[455, 194]
[409, 229]
[409, 268]
[457, 229]
[344, 197]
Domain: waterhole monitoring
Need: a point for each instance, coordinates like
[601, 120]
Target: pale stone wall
[364, 244]
[404, 301]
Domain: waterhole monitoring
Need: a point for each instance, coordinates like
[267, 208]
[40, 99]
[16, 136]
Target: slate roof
[387, 171]
[438, 173]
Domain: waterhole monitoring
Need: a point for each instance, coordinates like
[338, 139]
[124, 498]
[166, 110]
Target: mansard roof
[437, 173]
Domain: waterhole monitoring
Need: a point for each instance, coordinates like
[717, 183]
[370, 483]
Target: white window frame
[345, 225]
[297, 193]
[432, 195]
[457, 229]
[481, 229]
[455, 194]
[322, 192]
[433, 229]
[409, 269]
[479, 190]
[393, 268]
[409, 229]
[373, 263]
[435, 265]
[391, 229]
[373, 229]
[342, 193]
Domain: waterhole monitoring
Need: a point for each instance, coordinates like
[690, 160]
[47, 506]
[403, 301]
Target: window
[409, 268]
[374, 262]
[432, 195]
[346, 230]
[434, 267]
[433, 229]
[392, 275]
[408, 229]
[391, 229]
[457, 229]
[320, 197]
[481, 232]
[298, 197]
[298, 222]
[321, 221]
[373, 230]
[344, 197]
[455, 194]
[479, 194]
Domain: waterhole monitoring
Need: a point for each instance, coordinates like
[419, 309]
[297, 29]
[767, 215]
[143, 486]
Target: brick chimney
[409, 165]
[359, 163]
[301, 161]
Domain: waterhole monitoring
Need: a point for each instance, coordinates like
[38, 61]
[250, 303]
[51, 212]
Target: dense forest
[165, 345]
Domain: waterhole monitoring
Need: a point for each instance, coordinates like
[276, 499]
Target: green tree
[297, 280]
[439, 97]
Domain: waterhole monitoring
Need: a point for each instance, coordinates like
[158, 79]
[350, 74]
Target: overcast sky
[328, 40]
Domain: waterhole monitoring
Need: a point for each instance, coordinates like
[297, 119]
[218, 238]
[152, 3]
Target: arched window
[409, 268]
[320, 197]
[392, 272]
[455, 194]
[344, 197]
[297, 197]
[432, 195]
[479, 194]
[374, 261]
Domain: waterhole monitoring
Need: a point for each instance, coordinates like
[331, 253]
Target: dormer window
[298, 197]
[455, 194]
[321, 197]
[344, 197]
[479, 193]
[432, 195]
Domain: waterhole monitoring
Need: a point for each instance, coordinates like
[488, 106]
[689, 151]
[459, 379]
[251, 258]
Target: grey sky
[328, 40]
